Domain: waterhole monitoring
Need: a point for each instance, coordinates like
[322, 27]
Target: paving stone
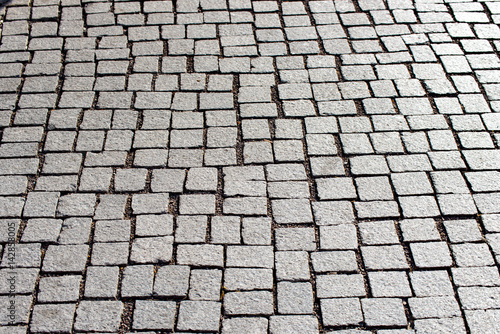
[95, 179]
[352, 311]
[130, 179]
[288, 150]
[356, 144]
[415, 183]
[475, 276]
[25, 280]
[374, 188]
[199, 315]
[53, 318]
[172, 280]
[75, 231]
[256, 231]
[431, 283]
[482, 319]
[247, 279]
[295, 298]
[225, 230]
[154, 314]
[59, 289]
[327, 166]
[243, 325]
[112, 230]
[152, 249]
[430, 307]
[202, 179]
[197, 204]
[369, 165]
[245, 206]
[378, 233]
[389, 284]
[338, 237]
[288, 189]
[200, 255]
[330, 261]
[101, 282]
[285, 172]
[168, 180]
[295, 239]
[137, 281]
[76, 205]
[487, 204]
[110, 207]
[384, 257]
[446, 324]
[424, 254]
[154, 225]
[377, 209]
[292, 265]
[340, 285]
[205, 284]
[454, 204]
[418, 206]
[115, 253]
[332, 212]
[42, 230]
[288, 211]
[151, 158]
[149, 203]
[62, 163]
[150, 139]
[98, 315]
[336, 188]
[488, 297]
[65, 258]
[383, 312]
[250, 256]
[23, 305]
[468, 254]
[321, 144]
[248, 302]
[191, 229]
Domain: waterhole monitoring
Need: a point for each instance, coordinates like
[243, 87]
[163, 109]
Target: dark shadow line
[4, 3]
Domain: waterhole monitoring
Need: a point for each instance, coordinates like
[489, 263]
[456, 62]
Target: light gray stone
[199, 315]
[293, 324]
[248, 302]
[137, 281]
[172, 280]
[152, 249]
[98, 315]
[295, 298]
[154, 314]
[50, 318]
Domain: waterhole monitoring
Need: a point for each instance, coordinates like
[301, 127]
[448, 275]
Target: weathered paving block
[56, 317]
[199, 315]
[60, 289]
[152, 249]
[150, 314]
[200, 255]
[248, 302]
[98, 315]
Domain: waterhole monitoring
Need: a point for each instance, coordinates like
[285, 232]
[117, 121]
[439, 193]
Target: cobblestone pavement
[248, 166]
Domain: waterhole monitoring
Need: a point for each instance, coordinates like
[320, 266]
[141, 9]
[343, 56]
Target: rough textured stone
[250, 166]
[199, 315]
[98, 315]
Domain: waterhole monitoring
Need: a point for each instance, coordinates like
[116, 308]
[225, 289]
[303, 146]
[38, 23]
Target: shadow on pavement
[4, 3]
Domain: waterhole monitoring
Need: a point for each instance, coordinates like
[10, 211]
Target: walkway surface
[213, 166]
